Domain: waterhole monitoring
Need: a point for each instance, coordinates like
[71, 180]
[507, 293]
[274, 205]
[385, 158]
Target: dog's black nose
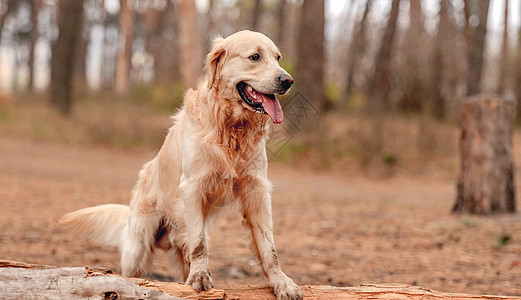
[285, 81]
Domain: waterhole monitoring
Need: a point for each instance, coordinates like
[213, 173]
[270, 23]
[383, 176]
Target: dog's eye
[279, 57]
[255, 57]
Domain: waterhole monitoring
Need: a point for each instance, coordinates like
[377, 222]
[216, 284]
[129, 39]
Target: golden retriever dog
[213, 156]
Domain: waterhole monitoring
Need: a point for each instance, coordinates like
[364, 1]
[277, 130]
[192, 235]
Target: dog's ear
[214, 61]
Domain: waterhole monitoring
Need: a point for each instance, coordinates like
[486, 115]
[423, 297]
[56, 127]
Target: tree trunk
[486, 180]
[108, 66]
[35, 8]
[155, 24]
[281, 19]
[414, 50]
[11, 5]
[26, 281]
[476, 49]
[211, 19]
[438, 64]
[189, 44]
[380, 83]
[310, 67]
[356, 49]
[81, 55]
[63, 54]
[166, 65]
[503, 66]
[126, 36]
[517, 75]
[256, 15]
[467, 32]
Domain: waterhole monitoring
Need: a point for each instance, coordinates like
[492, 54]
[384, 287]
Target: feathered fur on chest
[231, 134]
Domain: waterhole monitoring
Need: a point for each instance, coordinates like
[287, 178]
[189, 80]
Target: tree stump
[486, 179]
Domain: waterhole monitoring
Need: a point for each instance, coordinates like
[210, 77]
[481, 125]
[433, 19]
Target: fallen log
[27, 281]
[22, 281]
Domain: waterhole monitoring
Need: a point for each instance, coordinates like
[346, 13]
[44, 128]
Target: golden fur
[213, 156]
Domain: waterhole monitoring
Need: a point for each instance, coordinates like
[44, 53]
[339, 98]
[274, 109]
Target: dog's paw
[286, 289]
[200, 281]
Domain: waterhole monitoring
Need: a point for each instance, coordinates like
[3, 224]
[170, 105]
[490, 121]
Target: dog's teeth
[250, 89]
[254, 96]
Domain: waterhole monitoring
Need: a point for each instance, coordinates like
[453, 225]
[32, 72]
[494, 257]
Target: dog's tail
[103, 224]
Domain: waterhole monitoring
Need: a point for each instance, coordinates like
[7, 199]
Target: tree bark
[19, 280]
[126, 36]
[486, 180]
[256, 15]
[476, 49]
[35, 8]
[438, 106]
[503, 66]
[11, 5]
[311, 60]
[281, 20]
[380, 82]
[155, 22]
[63, 54]
[467, 32]
[357, 47]
[108, 66]
[517, 75]
[26, 281]
[189, 44]
[414, 86]
[81, 55]
[166, 65]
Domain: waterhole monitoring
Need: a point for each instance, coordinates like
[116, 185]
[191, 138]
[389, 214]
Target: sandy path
[329, 229]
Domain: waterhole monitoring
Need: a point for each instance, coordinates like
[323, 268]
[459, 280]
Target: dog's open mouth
[261, 103]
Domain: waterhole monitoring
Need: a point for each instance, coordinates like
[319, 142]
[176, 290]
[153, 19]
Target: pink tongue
[272, 107]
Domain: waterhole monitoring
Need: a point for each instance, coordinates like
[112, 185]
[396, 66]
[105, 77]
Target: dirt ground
[329, 228]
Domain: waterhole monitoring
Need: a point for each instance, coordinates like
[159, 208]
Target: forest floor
[330, 228]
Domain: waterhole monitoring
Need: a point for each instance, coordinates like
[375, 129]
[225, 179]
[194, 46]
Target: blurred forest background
[109, 68]
[364, 165]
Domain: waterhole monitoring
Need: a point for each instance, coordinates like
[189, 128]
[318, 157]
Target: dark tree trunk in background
[35, 8]
[63, 53]
[281, 18]
[414, 50]
[467, 31]
[486, 180]
[209, 33]
[155, 23]
[311, 60]
[438, 107]
[256, 15]
[108, 66]
[517, 75]
[379, 85]
[166, 63]
[189, 44]
[126, 36]
[12, 5]
[476, 49]
[356, 50]
[81, 55]
[503, 67]
[153, 20]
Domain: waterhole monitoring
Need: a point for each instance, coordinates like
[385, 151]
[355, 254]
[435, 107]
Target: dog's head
[245, 66]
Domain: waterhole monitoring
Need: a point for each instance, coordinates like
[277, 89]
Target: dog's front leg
[199, 275]
[256, 200]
